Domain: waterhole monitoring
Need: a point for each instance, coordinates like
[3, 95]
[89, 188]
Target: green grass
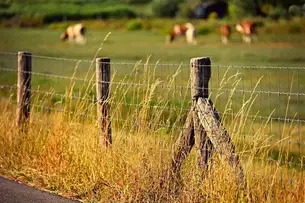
[54, 11]
[60, 152]
[272, 49]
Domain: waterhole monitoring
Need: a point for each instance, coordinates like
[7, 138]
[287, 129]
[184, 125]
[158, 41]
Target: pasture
[126, 48]
[250, 83]
[271, 49]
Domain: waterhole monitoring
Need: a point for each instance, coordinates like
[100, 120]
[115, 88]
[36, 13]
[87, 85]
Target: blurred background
[145, 23]
[37, 12]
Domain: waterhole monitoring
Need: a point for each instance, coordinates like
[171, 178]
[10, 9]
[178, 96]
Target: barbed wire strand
[137, 122]
[289, 120]
[160, 85]
[160, 64]
[269, 159]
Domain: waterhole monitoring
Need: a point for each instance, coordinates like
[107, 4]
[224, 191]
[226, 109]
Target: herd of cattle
[76, 33]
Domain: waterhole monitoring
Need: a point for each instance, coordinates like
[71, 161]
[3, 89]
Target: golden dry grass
[60, 151]
[65, 158]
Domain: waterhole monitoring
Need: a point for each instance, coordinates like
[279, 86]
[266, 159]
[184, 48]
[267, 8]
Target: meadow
[150, 99]
[277, 47]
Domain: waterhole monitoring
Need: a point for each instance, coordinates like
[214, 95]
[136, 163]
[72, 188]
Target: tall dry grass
[60, 151]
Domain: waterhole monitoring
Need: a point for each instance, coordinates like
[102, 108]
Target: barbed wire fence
[157, 96]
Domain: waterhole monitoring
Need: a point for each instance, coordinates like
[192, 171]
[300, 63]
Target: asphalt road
[14, 192]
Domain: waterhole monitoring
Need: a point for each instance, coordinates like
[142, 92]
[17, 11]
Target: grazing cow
[75, 33]
[248, 31]
[188, 30]
[225, 31]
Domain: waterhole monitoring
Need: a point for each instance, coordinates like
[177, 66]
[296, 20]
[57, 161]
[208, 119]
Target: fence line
[160, 85]
[158, 124]
[34, 120]
[156, 106]
[137, 122]
[287, 119]
[258, 89]
[161, 64]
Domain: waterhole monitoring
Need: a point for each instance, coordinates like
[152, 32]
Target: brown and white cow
[75, 33]
[225, 31]
[188, 30]
[248, 31]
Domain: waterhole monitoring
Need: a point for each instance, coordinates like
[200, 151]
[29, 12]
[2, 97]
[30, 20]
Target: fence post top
[24, 53]
[205, 58]
[103, 59]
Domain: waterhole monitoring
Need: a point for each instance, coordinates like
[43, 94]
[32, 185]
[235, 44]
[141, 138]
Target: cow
[75, 33]
[248, 31]
[225, 31]
[188, 30]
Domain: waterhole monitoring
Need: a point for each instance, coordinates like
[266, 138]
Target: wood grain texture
[24, 88]
[184, 143]
[201, 74]
[103, 94]
[218, 135]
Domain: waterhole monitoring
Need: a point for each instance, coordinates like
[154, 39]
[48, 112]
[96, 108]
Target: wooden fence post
[209, 131]
[201, 74]
[24, 88]
[103, 94]
[203, 127]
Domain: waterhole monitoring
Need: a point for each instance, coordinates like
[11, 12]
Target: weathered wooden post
[201, 74]
[24, 88]
[203, 126]
[211, 134]
[103, 94]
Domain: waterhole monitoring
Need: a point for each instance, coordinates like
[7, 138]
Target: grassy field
[36, 13]
[64, 156]
[60, 153]
[271, 49]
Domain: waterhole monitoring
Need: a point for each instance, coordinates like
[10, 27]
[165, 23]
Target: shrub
[185, 10]
[204, 30]
[113, 12]
[277, 13]
[53, 12]
[213, 16]
[134, 25]
[136, 1]
[294, 10]
[165, 8]
[259, 23]
[294, 28]
[267, 8]
[234, 11]
[4, 5]
[103, 13]
[238, 8]
[6, 14]
[25, 20]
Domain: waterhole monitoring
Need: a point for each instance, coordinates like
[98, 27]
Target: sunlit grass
[60, 151]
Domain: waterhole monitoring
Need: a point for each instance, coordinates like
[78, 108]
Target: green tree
[253, 7]
[165, 8]
[135, 1]
[239, 8]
